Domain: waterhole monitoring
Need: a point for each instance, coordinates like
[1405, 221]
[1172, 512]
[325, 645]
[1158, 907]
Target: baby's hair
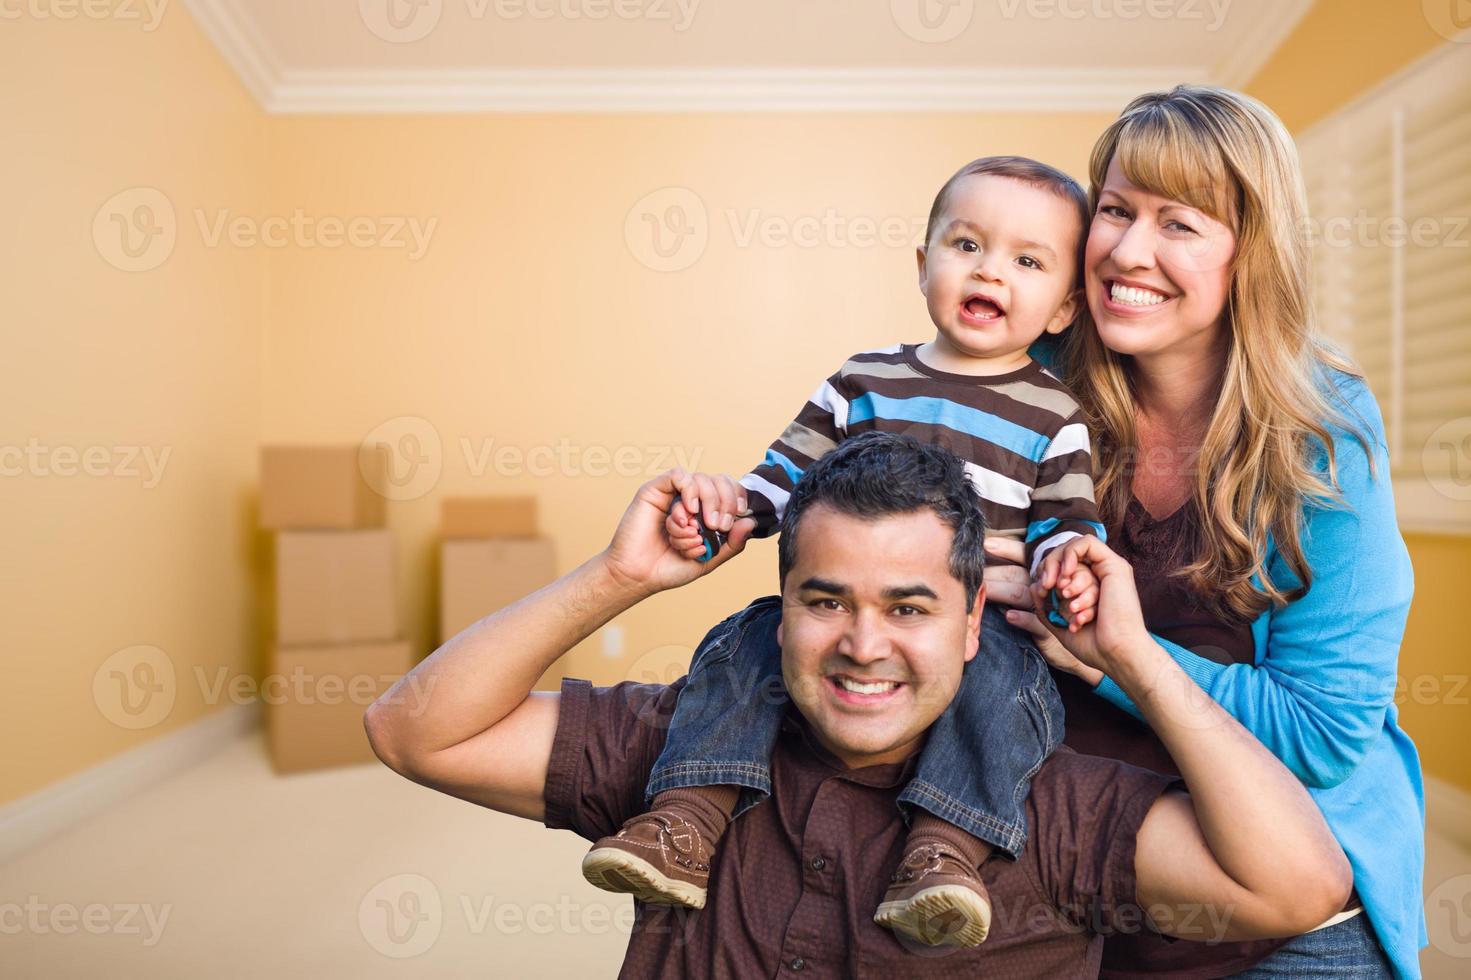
[1027, 171]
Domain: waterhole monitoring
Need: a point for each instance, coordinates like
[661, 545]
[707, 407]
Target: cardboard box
[335, 587]
[315, 698]
[487, 517]
[322, 486]
[479, 577]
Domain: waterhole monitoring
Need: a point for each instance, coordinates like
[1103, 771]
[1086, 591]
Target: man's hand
[721, 500]
[641, 555]
[464, 721]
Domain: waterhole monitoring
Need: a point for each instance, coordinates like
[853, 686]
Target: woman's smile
[1122, 297]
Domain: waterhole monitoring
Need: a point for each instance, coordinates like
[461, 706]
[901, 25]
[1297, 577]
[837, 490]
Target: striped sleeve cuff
[1048, 545]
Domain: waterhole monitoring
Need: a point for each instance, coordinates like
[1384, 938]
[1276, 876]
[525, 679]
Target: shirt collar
[804, 744]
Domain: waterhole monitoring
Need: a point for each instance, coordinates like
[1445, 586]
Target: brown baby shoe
[658, 857]
[937, 898]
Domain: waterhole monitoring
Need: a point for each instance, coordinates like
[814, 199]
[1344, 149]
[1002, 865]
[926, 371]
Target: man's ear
[778, 632]
[973, 626]
[1066, 313]
[919, 257]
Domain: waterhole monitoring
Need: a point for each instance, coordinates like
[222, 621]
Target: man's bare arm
[1246, 854]
[465, 722]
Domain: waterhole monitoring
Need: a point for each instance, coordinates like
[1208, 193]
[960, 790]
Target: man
[870, 592]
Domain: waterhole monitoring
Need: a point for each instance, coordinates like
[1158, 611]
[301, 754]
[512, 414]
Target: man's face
[874, 632]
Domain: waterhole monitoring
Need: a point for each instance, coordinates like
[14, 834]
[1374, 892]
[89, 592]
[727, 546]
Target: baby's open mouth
[981, 308]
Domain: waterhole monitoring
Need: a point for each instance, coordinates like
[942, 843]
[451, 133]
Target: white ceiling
[507, 55]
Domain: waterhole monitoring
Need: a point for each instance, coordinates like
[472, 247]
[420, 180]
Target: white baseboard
[1448, 811]
[31, 819]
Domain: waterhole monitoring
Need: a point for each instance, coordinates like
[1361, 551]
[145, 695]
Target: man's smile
[863, 692]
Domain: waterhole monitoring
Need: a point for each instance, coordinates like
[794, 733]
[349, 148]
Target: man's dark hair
[878, 474]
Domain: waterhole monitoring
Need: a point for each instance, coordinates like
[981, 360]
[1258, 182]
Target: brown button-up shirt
[796, 880]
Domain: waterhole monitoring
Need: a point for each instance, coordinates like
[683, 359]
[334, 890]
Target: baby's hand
[1076, 585]
[718, 498]
[1079, 594]
[684, 536]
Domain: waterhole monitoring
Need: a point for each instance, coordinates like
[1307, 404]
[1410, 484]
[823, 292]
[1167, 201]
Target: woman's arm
[1207, 849]
[1319, 696]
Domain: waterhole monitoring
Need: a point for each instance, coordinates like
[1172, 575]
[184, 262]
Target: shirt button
[817, 864]
[797, 964]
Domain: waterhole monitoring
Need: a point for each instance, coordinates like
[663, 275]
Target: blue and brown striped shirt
[1021, 434]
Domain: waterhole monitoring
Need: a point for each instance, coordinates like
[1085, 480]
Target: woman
[1241, 469]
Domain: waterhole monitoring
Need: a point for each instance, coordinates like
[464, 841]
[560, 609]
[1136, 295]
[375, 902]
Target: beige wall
[1339, 51]
[532, 321]
[1434, 694]
[166, 359]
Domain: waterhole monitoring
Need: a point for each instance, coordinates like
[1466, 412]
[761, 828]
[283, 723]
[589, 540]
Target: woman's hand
[1118, 629]
[1010, 585]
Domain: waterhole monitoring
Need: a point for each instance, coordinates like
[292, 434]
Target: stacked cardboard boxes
[337, 636]
[491, 556]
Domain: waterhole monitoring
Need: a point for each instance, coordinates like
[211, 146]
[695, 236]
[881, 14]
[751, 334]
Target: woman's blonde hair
[1227, 155]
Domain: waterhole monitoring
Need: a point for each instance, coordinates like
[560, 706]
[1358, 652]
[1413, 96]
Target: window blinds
[1389, 193]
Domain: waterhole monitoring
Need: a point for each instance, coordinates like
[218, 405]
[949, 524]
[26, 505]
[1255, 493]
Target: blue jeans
[1348, 949]
[978, 760]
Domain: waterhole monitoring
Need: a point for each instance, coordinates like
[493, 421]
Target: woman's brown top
[1155, 547]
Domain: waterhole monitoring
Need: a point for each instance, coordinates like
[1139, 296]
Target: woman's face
[1157, 272]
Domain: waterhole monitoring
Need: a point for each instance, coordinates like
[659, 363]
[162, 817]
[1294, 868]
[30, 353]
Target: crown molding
[714, 90]
[244, 50]
[230, 26]
[1264, 38]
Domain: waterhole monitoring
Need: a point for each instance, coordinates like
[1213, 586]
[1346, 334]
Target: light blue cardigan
[1321, 694]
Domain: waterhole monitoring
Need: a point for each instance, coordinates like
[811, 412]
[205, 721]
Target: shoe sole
[615, 870]
[946, 915]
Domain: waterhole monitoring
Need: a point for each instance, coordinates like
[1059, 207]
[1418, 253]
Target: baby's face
[1000, 270]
